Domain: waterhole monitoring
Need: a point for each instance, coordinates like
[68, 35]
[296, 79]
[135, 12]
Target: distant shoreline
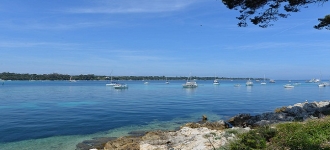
[57, 76]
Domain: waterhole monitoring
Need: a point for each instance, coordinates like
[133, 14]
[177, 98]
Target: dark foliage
[324, 23]
[263, 12]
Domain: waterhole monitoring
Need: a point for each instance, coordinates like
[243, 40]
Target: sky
[158, 38]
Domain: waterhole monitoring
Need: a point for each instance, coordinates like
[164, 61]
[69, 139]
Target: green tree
[324, 23]
[263, 12]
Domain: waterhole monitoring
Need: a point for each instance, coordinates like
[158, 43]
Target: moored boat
[249, 83]
[264, 82]
[120, 86]
[237, 85]
[271, 81]
[322, 84]
[216, 82]
[190, 84]
[288, 86]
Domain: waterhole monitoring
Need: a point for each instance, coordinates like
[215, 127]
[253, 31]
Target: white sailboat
[111, 82]
[321, 84]
[72, 80]
[167, 81]
[215, 81]
[264, 82]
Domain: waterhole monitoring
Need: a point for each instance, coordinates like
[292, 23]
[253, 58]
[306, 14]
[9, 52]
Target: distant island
[57, 76]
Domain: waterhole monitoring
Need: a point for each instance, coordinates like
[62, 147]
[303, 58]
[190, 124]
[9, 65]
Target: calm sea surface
[60, 114]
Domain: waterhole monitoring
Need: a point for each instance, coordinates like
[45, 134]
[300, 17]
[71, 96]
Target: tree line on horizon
[57, 76]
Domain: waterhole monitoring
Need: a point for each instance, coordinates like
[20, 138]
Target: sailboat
[72, 80]
[145, 82]
[216, 82]
[167, 81]
[264, 82]
[321, 84]
[31, 79]
[111, 83]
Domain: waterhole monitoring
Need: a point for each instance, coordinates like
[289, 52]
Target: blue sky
[159, 37]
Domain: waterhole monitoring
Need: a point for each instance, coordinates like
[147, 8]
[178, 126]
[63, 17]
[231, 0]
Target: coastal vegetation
[311, 134]
[57, 76]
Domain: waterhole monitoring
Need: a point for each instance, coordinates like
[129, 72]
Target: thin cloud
[141, 6]
[272, 45]
[11, 44]
[56, 26]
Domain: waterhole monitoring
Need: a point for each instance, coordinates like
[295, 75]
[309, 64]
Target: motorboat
[120, 86]
[296, 83]
[249, 83]
[237, 85]
[271, 81]
[322, 84]
[288, 86]
[190, 84]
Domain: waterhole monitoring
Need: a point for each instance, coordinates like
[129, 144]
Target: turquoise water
[60, 114]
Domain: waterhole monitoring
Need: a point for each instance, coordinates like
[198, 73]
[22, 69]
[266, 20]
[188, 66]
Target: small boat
[237, 85]
[190, 84]
[296, 83]
[72, 80]
[111, 82]
[264, 82]
[249, 83]
[322, 84]
[146, 83]
[288, 86]
[167, 81]
[120, 86]
[216, 82]
[271, 81]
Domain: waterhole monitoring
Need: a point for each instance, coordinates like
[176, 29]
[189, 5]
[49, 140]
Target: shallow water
[60, 114]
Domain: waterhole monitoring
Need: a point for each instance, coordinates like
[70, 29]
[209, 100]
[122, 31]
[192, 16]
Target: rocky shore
[206, 135]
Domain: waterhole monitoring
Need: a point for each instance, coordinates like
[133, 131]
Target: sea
[57, 115]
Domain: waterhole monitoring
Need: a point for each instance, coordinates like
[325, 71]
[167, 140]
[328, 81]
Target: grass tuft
[311, 135]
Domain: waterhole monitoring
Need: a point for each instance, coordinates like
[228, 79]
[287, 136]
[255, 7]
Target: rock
[295, 110]
[240, 120]
[219, 125]
[97, 143]
[137, 133]
[123, 143]
[206, 135]
[310, 107]
[204, 118]
[185, 139]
